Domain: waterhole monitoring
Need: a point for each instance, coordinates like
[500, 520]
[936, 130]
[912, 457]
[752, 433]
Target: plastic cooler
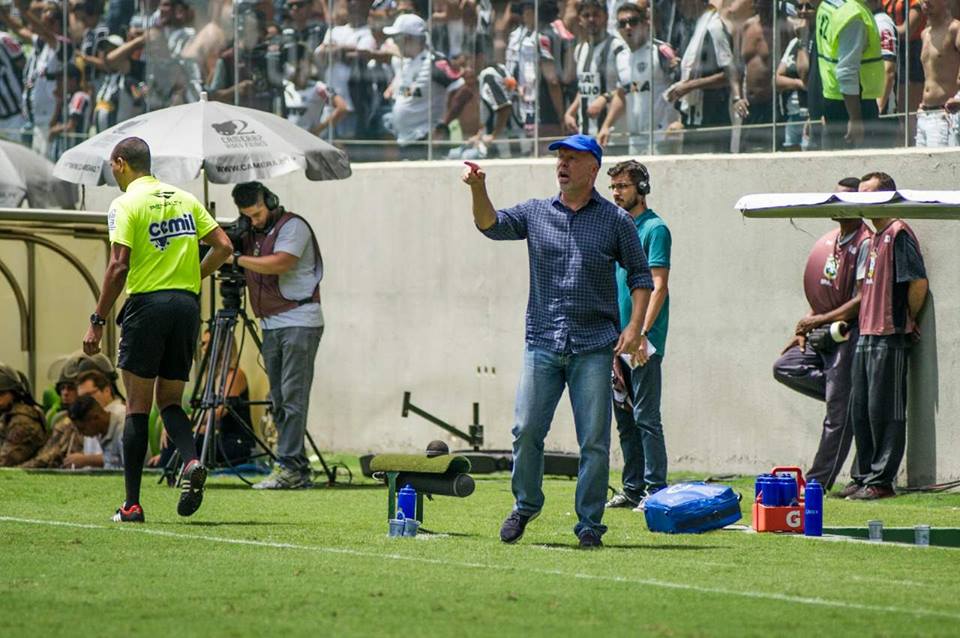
[780, 518]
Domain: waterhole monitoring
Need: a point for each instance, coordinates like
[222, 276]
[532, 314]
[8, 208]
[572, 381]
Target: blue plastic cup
[410, 527]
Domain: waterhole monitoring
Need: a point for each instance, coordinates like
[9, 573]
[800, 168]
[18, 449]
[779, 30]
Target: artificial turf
[319, 563]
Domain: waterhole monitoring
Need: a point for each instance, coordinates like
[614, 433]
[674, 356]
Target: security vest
[832, 17]
[830, 278]
[876, 305]
[266, 299]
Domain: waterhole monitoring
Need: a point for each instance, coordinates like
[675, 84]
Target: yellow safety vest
[832, 17]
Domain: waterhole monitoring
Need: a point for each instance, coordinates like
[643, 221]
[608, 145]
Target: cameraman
[258, 78]
[283, 269]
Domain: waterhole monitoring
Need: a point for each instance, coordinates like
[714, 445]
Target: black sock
[136, 437]
[178, 427]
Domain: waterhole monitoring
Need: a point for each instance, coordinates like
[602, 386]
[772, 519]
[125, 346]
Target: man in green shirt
[154, 254]
[637, 402]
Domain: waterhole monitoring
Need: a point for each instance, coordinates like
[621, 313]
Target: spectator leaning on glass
[888, 127]
[793, 82]
[637, 388]
[43, 30]
[851, 71]
[597, 56]
[12, 63]
[574, 240]
[709, 80]
[936, 125]
[644, 75]
[427, 92]
[154, 231]
[283, 267]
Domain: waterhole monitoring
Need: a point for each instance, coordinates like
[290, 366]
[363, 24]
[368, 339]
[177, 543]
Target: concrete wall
[416, 299]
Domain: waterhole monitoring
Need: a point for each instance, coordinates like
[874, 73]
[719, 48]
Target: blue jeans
[288, 355]
[545, 374]
[641, 433]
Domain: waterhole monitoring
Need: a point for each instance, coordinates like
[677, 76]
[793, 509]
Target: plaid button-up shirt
[572, 306]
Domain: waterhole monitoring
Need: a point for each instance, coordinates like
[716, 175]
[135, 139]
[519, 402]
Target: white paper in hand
[628, 358]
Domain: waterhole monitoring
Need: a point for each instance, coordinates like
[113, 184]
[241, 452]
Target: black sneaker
[589, 539]
[191, 488]
[132, 514]
[512, 529]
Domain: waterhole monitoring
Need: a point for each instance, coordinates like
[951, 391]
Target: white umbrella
[26, 174]
[13, 189]
[230, 143]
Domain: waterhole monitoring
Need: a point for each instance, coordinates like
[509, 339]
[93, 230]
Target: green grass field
[319, 563]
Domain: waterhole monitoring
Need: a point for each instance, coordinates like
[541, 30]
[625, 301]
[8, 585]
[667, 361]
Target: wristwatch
[97, 320]
[236, 257]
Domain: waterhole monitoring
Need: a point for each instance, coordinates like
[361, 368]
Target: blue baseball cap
[580, 143]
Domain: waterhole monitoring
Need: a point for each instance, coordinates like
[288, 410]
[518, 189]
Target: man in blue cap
[574, 240]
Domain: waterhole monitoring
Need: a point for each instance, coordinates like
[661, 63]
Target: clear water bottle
[813, 509]
[407, 502]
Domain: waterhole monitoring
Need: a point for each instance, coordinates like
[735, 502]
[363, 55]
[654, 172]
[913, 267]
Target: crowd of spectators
[393, 79]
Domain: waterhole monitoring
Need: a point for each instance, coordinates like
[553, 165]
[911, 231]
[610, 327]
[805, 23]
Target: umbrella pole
[213, 282]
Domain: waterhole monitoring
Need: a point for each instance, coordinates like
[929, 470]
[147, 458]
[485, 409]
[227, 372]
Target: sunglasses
[805, 6]
[629, 22]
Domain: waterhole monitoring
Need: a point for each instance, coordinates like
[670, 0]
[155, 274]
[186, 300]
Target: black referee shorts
[159, 334]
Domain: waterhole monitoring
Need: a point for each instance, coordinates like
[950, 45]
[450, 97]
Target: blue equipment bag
[691, 508]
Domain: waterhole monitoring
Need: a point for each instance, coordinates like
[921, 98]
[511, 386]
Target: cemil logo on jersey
[162, 232]
[238, 134]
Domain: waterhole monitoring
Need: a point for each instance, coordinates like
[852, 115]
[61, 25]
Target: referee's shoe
[191, 487]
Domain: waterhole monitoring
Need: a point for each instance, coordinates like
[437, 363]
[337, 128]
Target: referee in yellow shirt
[154, 233]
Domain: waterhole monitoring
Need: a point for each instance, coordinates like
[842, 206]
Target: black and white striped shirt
[11, 78]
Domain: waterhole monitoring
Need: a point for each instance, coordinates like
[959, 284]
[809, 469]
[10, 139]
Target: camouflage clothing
[64, 439]
[22, 433]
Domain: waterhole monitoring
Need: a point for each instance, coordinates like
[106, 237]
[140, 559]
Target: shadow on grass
[441, 533]
[635, 546]
[237, 484]
[226, 524]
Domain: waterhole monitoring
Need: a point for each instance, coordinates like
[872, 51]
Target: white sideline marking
[803, 600]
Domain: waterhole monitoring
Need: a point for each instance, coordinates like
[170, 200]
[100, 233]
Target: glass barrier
[483, 79]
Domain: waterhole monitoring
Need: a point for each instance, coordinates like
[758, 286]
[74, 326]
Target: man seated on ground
[22, 430]
[64, 437]
[234, 440]
[98, 415]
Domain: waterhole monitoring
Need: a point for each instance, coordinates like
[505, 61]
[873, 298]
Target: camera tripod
[212, 394]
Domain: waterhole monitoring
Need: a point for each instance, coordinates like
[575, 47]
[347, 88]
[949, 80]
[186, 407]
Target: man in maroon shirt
[823, 372]
[894, 288]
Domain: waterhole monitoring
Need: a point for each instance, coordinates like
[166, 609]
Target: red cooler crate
[782, 518]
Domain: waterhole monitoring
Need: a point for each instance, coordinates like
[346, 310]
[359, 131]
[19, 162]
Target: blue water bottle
[407, 502]
[813, 509]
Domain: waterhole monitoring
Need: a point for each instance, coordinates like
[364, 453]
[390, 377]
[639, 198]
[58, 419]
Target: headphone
[643, 183]
[270, 200]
